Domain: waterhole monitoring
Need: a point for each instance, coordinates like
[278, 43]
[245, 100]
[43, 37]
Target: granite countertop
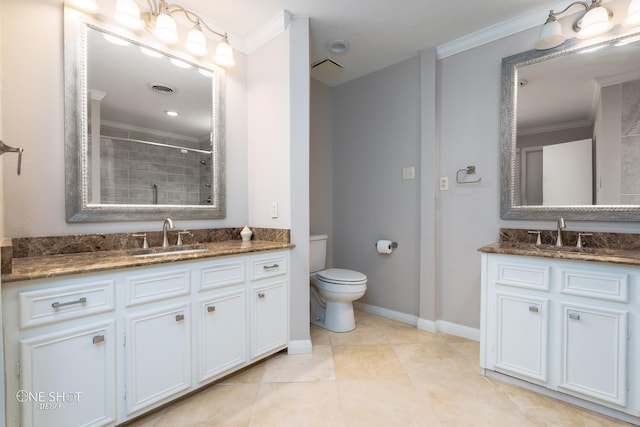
[604, 255]
[38, 267]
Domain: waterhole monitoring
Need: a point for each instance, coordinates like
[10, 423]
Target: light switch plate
[444, 183]
[408, 172]
[274, 209]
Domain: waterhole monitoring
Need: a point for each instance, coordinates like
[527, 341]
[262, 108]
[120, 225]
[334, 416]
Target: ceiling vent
[162, 88]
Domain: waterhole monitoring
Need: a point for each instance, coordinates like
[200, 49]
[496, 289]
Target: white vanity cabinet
[107, 347]
[221, 315]
[567, 326]
[60, 352]
[268, 304]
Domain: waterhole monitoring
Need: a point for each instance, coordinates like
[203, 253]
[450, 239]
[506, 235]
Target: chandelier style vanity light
[594, 21]
[159, 20]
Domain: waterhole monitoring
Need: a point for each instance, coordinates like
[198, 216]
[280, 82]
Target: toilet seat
[340, 276]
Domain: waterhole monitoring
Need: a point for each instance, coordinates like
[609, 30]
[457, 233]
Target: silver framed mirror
[144, 133]
[581, 94]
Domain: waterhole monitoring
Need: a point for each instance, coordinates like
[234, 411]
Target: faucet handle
[180, 233]
[145, 243]
[579, 244]
[538, 240]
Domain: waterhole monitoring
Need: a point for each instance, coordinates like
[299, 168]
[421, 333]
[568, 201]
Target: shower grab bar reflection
[155, 193]
[157, 144]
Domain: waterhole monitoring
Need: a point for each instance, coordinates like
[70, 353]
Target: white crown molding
[533, 18]
[269, 30]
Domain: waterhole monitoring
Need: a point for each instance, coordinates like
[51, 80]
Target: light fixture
[171, 113]
[594, 21]
[159, 20]
[128, 14]
[633, 13]
[196, 42]
[224, 53]
[165, 28]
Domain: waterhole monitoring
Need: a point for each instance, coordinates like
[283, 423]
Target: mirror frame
[508, 135]
[78, 208]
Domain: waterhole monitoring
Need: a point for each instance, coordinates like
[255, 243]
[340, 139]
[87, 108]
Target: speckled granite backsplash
[54, 245]
[626, 241]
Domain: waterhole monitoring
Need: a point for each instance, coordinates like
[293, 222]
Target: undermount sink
[165, 252]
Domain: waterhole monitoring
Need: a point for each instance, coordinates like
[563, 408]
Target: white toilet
[332, 290]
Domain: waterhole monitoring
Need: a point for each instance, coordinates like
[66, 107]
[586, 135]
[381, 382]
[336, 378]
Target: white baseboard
[409, 319]
[422, 324]
[458, 330]
[300, 347]
[427, 325]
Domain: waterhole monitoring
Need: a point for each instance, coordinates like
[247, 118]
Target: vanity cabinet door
[68, 378]
[269, 319]
[522, 336]
[223, 338]
[594, 356]
[158, 355]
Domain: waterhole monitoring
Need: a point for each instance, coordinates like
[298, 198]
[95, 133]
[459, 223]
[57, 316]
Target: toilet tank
[317, 252]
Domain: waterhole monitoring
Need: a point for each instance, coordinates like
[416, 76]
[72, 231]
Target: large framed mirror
[144, 134]
[570, 132]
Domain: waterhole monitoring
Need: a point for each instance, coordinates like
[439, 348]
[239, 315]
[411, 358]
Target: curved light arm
[193, 18]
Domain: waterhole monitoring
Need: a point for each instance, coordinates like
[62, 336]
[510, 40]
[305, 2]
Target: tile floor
[383, 373]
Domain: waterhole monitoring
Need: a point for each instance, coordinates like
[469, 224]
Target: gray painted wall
[440, 115]
[376, 132]
[321, 165]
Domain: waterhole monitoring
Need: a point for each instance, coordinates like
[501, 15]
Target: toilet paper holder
[394, 245]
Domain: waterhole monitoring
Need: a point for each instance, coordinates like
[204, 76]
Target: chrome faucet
[168, 223]
[561, 226]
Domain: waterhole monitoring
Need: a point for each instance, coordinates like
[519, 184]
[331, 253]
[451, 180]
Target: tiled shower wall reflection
[630, 139]
[132, 173]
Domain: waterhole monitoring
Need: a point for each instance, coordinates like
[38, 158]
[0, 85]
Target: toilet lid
[339, 275]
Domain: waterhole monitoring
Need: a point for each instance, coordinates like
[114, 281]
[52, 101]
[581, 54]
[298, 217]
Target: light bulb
[550, 36]
[633, 13]
[166, 29]
[128, 14]
[196, 42]
[595, 22]
[224, 54]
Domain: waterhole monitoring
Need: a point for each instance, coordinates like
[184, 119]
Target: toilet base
[339, 317]
[333, 316]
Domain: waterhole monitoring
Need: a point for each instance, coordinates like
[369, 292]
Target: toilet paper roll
[384, 246]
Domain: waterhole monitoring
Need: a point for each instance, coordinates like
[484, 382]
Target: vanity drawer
[268, 266]
[222, 274]
[523, 275]
[603, 284]
[147, 288]
[41, 307]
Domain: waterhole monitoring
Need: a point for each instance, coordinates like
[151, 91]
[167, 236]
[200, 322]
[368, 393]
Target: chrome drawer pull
[98, 339]
[62, 304]
[271, 267]
[179, 317]
[533, 308]
[574, 316]
[261, 295]
[211, 308]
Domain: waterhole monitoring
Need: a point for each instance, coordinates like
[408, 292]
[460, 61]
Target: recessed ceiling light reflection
[179, 63]
[171, 113]
[150, 52]
[116, 40]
